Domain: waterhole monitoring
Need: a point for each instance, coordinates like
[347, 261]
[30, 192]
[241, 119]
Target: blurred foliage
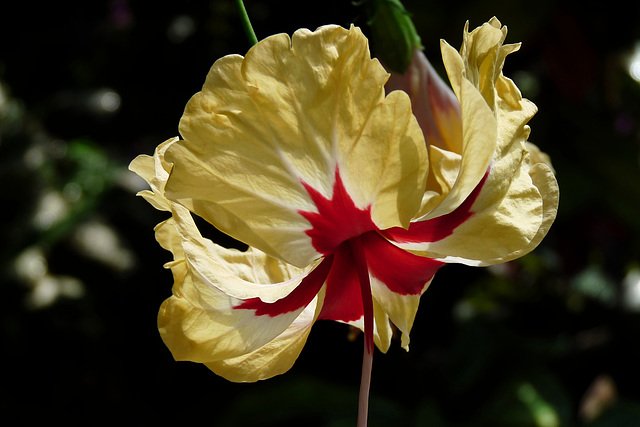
[548, 340]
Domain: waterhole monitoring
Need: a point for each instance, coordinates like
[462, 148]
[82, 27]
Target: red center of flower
[337, 228]
[338, 223]
[337, 220]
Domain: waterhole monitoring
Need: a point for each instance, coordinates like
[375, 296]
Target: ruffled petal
[498, 224]
[301, 296]
[512, 207]
[241, 275]
[387, 167]
[398, 279]
[155, 170]
[274, 358]
[289, 113]
[401, 309]
[479, 141]
[202, 323]
[544, 180]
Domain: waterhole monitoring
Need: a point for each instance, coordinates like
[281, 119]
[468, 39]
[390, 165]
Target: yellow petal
[401, 309]
[483, 56]
[155, 170]
[242, 275]
[517, 202]
[387, 167]
[273, 358]
[169, 239]
[382, 333]
[292, 111]
[494, 106]
[543, 179]
[200, 322]
[507, 215]
[538, 156]
[479, 133]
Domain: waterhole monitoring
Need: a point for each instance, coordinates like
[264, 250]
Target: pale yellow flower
[296, 150]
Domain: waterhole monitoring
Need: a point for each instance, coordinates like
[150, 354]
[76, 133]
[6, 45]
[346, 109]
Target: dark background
[548, 340]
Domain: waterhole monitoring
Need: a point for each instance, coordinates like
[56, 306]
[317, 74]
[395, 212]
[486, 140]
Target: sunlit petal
[479, 140]
[293, 111]
[398, 279]
[241, 275]
[155, 170]
[274, 358]
[507, 214]
[202, 323]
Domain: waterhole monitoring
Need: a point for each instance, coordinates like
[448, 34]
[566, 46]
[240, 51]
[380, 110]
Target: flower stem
[246, 23]
[367, 303]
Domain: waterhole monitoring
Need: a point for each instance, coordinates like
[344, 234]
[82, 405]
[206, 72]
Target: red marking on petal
[402, 272]
[343, 298]
[438, 228]
[300, 297]
[337, 220]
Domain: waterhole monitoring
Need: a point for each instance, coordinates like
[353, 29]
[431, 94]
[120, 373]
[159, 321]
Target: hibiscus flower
[348, 206]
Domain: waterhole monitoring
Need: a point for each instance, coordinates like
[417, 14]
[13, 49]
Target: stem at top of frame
[246, 23]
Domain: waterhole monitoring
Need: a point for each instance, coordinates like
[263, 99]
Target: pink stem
[367, 303]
